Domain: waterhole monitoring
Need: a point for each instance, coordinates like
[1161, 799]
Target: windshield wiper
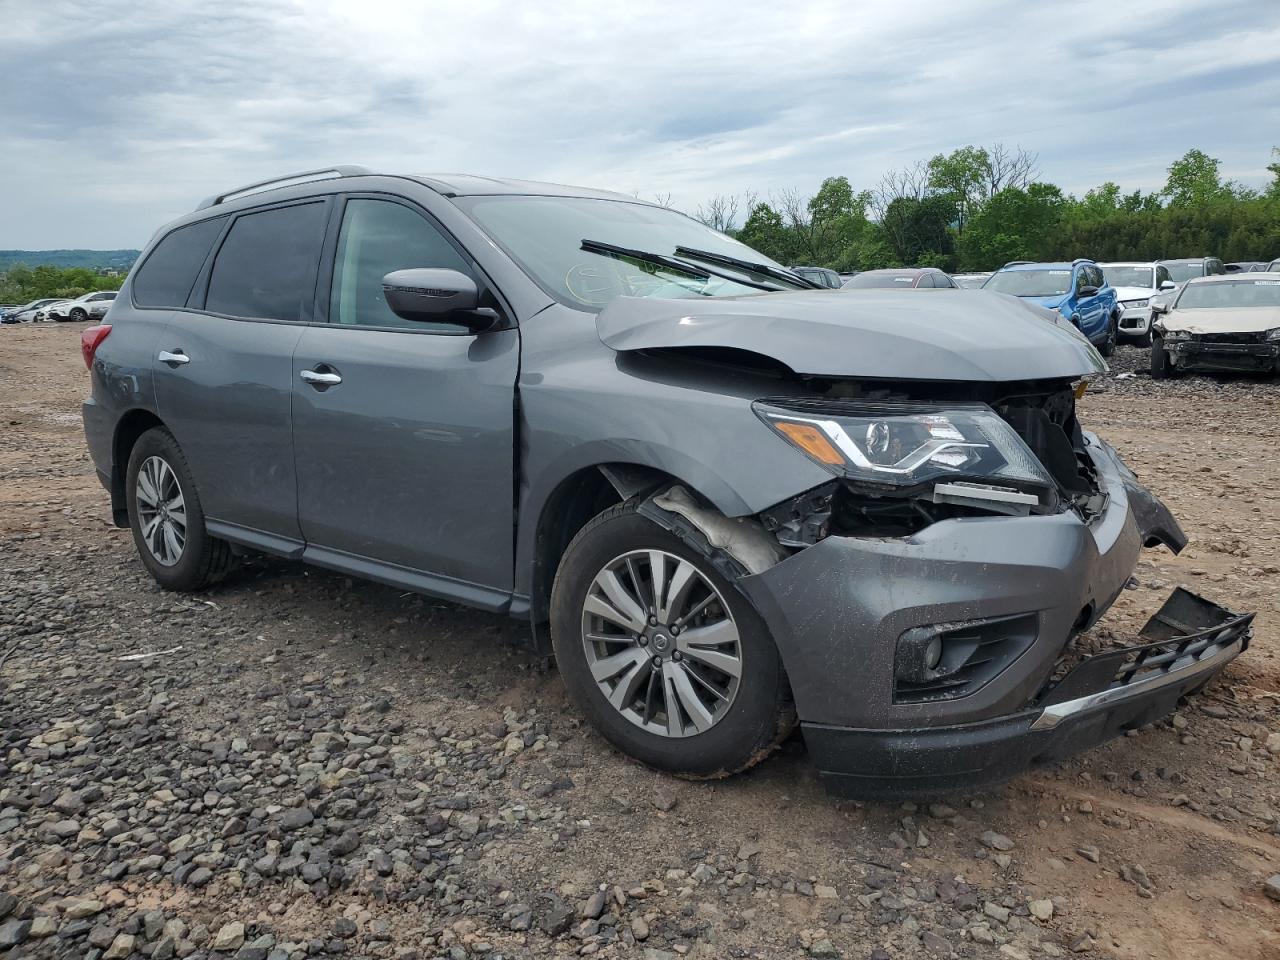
[670, 263]
[748, 266]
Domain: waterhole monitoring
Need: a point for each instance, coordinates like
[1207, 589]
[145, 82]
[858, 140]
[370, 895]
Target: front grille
[1258, 337]
[974, 652]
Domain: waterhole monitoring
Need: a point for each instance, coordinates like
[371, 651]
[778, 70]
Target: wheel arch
[129, 428]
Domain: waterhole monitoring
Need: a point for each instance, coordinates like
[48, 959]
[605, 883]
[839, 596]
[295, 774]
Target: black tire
[760, 715]
[1108, 346]
[203, 560]
[1159, 359]
[78, 315]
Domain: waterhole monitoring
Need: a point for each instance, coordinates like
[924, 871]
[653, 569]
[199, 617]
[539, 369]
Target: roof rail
[289, 180]
[1016, 263]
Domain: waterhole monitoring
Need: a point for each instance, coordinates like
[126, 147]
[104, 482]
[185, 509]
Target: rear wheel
[1108, 346]
[661, 652]
[78, 315]
[1159, 359]
[166, 518]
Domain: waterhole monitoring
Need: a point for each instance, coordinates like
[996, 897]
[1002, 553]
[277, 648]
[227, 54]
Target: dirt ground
[478, 815]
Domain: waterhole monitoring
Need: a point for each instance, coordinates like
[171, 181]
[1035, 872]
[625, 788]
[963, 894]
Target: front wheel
[166, 517]
[1159, 359]
[78, 315]
[662, 653]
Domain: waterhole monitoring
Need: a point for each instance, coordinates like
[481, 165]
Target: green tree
[920, 229]
[961, 176]
[765, 231]
[1194, 181]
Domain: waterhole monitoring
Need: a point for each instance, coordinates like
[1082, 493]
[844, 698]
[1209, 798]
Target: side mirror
[1168, 285]
[1159, 306]
[1087, 291]
[433, 294]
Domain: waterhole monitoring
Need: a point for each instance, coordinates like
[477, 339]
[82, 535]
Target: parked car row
[90, 306]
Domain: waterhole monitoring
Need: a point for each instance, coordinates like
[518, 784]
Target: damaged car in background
[1228, 322]
[726, 500]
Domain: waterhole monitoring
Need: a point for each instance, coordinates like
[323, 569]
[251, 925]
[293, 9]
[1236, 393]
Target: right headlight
[904, 444]
[1273, 334]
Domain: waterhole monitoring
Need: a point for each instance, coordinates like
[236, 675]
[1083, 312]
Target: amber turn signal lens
[811, 440]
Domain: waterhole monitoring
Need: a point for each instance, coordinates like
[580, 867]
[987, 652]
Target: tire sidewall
[1159, 359]
[186, 573]
[751, 721]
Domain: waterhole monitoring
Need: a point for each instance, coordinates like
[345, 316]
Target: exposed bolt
[653, 621]
[675, 629]
[644, 641]
[676, 655]
[657, 661]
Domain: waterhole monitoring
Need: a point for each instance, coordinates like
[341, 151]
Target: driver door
[405, 449]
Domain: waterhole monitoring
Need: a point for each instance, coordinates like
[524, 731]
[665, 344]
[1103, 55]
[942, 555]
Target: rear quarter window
[167, 275]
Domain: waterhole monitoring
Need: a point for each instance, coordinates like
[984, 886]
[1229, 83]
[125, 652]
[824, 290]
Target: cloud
[114, 126]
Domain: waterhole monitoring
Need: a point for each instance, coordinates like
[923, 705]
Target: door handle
[175, 359]
[319, 378]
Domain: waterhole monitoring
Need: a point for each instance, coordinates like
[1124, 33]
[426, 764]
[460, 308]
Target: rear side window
[266, 266]
[166, 277]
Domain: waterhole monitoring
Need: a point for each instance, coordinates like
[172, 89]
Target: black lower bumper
[1217, 355]
[1102, 697]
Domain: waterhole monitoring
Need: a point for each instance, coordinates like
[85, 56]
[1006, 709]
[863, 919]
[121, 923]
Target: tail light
[90, 338]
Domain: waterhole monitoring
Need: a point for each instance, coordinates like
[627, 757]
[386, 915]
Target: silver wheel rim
[661, 643]
[162, 511]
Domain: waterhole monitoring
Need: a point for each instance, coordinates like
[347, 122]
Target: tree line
[978, 207]
[22, 284]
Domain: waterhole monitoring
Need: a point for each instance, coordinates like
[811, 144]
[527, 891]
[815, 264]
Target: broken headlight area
[908, 445]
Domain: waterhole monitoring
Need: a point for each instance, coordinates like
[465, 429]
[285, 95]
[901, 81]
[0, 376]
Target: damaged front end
[925, 598]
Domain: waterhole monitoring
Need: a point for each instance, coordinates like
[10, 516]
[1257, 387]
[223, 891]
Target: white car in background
[1136, 283]
[88, 306]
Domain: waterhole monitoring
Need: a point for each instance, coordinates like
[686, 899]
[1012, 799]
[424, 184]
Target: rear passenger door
[406, 456]
[224, 371]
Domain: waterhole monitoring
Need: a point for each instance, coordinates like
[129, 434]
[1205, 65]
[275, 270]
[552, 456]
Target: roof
[1131, 263]
[1057, 265]
[899, 271]
[1186, 260]
[468, 185]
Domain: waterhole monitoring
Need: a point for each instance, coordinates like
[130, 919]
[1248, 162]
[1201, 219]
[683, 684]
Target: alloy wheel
[661, 643]
[162, 511]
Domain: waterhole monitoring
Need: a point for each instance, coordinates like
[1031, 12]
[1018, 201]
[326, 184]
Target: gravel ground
[295, 764]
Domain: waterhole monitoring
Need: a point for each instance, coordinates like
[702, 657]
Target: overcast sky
[117, 118]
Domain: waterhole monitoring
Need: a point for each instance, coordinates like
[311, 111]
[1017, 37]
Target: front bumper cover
[838, 608]
[1101, 697]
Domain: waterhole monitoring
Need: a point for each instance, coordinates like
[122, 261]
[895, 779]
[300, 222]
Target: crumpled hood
[1134, 293]
[964, 335]
[1223, 320]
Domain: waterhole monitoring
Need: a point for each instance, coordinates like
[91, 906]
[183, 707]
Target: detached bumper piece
[1188, 642]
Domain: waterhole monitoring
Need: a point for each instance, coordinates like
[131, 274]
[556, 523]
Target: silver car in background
[1136, 283]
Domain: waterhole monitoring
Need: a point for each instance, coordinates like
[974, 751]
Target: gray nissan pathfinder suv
[724, 499]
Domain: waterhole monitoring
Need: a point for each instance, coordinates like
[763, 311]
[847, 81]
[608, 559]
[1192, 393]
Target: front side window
[265, 269]
[1031, 283]
[544, 236]
[378, 237]
[167, 275]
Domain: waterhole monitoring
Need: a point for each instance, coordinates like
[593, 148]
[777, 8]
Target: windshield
[1230, 293]
[874, 278]
[969, 283]
[1120, 276]
[1030, 283]
[545, 234]
[1182, 272]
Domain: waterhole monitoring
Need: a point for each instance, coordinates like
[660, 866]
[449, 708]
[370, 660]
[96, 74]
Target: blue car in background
[1078, 290]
